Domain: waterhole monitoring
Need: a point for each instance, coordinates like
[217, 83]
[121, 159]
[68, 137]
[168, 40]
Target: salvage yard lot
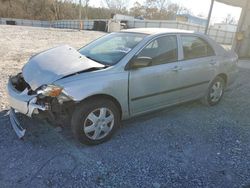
[189, 145]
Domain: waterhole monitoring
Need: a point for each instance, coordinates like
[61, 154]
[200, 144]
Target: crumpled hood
[55, 63]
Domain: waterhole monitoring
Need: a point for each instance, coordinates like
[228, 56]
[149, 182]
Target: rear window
[195, 47]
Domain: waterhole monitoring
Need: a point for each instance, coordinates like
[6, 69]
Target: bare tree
[7, 8]
[162, 5]
[201, 15]
[178, 9]
[56, 9]
[86, 6]
[68, 9]
[151, 9]
[117, 6]
[229, 19]
[137, 10]
[163, 9]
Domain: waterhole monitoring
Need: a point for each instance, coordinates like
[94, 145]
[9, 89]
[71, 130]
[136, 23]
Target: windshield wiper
[101, 62]
[93, 59]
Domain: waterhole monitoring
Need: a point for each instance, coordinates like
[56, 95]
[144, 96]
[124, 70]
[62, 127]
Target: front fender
[114, 85]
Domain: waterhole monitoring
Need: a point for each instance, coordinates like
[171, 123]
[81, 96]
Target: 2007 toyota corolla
[118, 76]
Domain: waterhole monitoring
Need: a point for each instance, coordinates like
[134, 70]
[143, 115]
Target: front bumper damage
[20, 131]
[22, 102]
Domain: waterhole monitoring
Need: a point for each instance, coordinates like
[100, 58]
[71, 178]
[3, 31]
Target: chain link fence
[222, 37]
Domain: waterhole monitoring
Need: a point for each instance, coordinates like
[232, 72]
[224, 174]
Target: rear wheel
[215, 92]
[95, 121]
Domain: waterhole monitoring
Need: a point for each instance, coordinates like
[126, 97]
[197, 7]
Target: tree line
[69, 9]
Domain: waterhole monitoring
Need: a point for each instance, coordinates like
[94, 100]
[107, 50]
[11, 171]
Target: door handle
[176, 68]
[212, 63]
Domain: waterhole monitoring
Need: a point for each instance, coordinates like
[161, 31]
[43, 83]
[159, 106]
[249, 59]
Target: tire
[95, 121]
[213, 96]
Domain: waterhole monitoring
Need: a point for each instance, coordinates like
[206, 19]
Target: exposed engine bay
[19, 83]
[55, 110]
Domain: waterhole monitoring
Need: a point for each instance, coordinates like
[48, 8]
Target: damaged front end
[32, 92]
[46, 101]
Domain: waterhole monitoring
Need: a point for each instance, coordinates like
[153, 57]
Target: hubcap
[216, 91]
[99, 123]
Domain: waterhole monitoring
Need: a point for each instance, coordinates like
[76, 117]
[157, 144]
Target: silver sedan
[119, 76]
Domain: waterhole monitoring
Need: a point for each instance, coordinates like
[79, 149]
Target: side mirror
[140, 62]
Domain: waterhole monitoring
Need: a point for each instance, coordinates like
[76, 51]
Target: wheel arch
[105, 96]
[223, 76]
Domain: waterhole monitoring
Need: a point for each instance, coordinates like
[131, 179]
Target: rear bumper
[22, 103]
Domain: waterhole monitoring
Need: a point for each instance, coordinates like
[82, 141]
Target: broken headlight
[50, 90]
[54, 91]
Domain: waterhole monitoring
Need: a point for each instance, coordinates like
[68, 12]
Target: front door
[153, 87]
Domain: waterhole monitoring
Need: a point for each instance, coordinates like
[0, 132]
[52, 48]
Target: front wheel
[215, 92]
[95, 121]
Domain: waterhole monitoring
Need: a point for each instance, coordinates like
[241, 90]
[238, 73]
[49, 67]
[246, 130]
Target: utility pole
[209, 16]
[80, 14]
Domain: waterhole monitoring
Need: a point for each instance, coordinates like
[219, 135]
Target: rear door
[198, 66]
[153, 87]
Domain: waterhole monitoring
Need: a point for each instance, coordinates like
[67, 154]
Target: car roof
[154, 31]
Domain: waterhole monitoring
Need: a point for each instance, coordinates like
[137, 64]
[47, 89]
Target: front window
[162, 50]
[111, 48]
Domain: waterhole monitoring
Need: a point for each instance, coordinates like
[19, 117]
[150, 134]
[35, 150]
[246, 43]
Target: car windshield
[110, 49]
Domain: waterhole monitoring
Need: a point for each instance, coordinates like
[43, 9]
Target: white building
[121, 17]
[225, 27]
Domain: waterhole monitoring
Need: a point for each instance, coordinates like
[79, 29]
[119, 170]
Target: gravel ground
[189, 145]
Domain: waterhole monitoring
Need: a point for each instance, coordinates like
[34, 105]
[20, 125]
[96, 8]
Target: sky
[197, 7]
